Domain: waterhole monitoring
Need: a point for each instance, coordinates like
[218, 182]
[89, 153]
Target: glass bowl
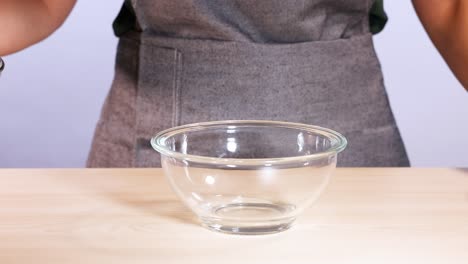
[248, 177]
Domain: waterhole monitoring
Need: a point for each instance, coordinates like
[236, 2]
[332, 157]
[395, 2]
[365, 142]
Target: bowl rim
[339, 142]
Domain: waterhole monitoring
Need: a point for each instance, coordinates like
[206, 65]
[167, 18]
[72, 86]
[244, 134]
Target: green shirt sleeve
[126, 20]
[377, 17]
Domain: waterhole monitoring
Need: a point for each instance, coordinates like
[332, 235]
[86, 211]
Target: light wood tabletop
[132, 216]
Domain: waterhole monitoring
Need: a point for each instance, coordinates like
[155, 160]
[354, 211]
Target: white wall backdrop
[51, 94]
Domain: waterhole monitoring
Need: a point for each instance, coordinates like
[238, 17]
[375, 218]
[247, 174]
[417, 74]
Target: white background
[51, 94]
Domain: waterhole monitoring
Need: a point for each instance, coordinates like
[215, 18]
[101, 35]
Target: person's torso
[305, 61]
[265, 21]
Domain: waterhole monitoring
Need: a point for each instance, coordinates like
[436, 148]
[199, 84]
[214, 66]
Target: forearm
[26, 22]
[447, 25]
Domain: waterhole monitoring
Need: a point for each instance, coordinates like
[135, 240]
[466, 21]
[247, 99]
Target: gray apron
[308, 61]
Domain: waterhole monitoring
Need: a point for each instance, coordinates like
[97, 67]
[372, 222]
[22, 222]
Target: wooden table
[131, 216]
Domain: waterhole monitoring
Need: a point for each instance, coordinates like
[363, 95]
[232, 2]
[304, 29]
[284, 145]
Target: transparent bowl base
[249, 218]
